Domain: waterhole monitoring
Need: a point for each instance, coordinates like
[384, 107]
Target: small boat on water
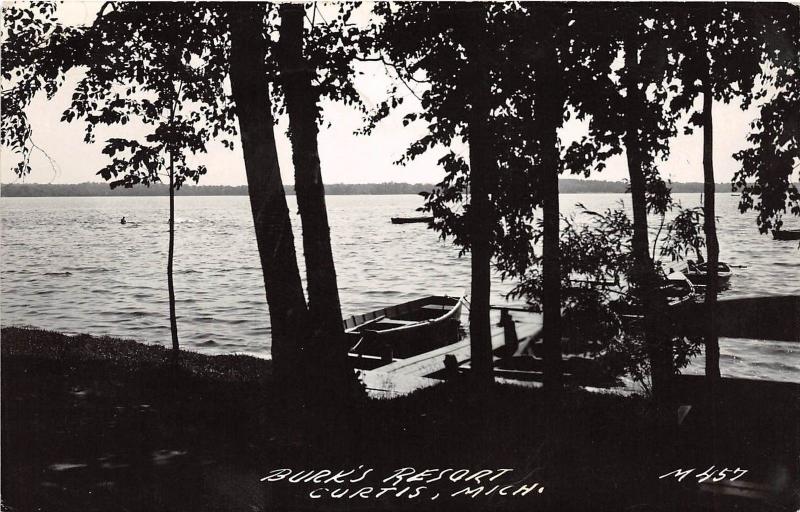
[786, 234]
[697, 273]
[678, 289]
[404, 330]
[411, 220]
[675, 289]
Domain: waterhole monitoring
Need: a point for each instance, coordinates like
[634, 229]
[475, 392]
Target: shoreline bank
[104, 424]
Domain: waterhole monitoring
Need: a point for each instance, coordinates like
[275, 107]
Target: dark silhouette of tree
[143, 166]
[601, 311]
[643, 270]
[166, 75]
[190, 44]
[719, 53]
[301, 54]
[683, 234]
[149, 84]
[482, 165]
[625, 109]
[549, 97]
[709, 216]
[721, 49]
[533, 71]
[27, 70]
[450, 50]
[250, 88]
[767, 179]
[568, 57]
[536, 81]
[173, 319]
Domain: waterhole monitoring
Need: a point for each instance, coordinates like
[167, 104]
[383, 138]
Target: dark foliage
[600, 307]
[767, 178]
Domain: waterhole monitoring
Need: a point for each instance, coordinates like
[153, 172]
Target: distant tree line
[161, 189]
[565, 186]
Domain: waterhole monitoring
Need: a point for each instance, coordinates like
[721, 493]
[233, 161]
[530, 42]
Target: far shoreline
[98, 189]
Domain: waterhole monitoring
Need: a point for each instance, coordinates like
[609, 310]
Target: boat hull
[405, 330]
[411, 220]
[793, 234]
[702, 278]
[697, 274]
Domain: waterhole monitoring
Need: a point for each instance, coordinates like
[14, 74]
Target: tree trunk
[643, 277]
[710, 227]
[329, 342]
[549, 108]
[173, 320]
[249, 85]
[481, 163]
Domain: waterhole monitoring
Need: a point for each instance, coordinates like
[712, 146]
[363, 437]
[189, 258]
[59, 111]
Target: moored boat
[404, 330]
[410, 220]
[678, 289]
[697, 273]
[675, 288]
[786, 234]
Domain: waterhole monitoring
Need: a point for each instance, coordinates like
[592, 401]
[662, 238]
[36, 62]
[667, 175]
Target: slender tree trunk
[330, 344]
[173, 320]
[710, 227]
[481, 164]
[644, 277]
[551, 278]
[549, 108]
[249, 85]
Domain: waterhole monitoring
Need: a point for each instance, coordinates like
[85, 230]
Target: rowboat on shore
[786, 234]
[404, 330]
[411, 220]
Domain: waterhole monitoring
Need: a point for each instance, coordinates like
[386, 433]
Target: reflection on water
[68, 265]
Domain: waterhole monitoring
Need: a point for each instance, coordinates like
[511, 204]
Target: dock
[766, 318]
[404, 376]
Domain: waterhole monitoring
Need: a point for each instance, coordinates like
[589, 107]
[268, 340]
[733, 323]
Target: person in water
[123, 221]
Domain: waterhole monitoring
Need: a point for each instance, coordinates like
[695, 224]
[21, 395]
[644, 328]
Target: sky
[345, 157]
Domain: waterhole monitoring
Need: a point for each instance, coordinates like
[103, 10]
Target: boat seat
[436, 307]
[392, 321]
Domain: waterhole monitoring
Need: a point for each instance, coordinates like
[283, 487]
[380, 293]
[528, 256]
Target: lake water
[68, 265]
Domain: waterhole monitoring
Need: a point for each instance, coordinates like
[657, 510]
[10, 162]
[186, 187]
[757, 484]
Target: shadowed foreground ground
[98, 424]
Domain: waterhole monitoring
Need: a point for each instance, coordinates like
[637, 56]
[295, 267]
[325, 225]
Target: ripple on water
[117, 282]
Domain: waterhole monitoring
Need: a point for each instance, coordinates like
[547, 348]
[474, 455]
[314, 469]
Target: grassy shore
[104, 424]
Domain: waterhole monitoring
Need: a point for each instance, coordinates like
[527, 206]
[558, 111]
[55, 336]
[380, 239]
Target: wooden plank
[369, 322]
[430, 362]
[513, 308]
[394, 321]
[761, 318]
[366, 356]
